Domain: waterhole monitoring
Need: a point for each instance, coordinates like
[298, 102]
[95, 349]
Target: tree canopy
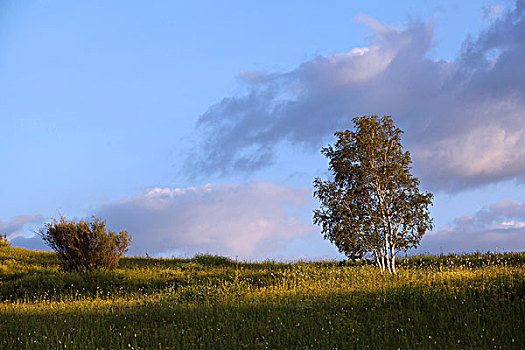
[372, 206]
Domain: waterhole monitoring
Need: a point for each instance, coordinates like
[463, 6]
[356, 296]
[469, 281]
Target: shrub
[85, 245]
[4, 243]
[212, 260]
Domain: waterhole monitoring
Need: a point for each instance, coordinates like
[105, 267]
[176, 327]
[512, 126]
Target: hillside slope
[471, 301]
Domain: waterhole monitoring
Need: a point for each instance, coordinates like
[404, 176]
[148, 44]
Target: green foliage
[372, 205]
[442, 302]
[85, 245]
[212, 260]
[4, 243]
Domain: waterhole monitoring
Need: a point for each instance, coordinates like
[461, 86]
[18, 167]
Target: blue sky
[197, 126]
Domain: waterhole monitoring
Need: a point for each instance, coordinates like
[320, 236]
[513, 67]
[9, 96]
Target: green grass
[448, 302]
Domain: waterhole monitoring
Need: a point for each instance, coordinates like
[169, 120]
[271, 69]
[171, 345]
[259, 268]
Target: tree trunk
[393, 258]
[387, 257]
[380, 259]
[394, 264]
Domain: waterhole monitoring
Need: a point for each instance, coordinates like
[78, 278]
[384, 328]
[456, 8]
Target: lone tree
[373, 206]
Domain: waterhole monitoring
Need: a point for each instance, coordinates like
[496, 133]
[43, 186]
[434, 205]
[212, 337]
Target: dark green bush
[212, 260]
[85, 245]
[3, 241]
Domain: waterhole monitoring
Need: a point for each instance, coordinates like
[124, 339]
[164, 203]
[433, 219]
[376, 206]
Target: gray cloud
[464, 119]
[248, 221]
[20, 231]
[500, 226]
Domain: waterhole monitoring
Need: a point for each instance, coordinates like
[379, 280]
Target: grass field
[448, 302]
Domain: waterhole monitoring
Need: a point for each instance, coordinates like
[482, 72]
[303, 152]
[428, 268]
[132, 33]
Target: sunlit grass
[475, 301]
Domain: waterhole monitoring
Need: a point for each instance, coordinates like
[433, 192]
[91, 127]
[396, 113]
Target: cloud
[498, 227]
[15, 227]
[464, 119]
[247, 220]
[20, 231]
[491, 12]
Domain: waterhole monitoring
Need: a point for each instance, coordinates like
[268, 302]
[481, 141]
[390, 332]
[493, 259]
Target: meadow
[434, 302]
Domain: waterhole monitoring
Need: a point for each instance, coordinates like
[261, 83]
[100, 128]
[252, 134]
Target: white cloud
[254, 221]
[248, 220]
[491, 12]
[464, 119]
[498, 227]
[20, 231]
[15, 226]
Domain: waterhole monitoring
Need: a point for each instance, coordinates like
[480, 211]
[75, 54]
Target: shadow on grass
[459, 315]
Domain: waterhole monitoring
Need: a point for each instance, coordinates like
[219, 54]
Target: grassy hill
[471, 301]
